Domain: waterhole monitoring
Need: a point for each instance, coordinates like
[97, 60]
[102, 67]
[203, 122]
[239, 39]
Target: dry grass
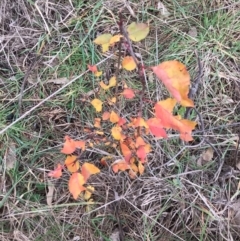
[177, 198]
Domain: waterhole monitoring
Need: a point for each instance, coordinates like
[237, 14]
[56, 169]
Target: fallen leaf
[176, 78]
[10, 156]
[97, 122]
[193, 32]
[56, 173]
[128, 63]
[75, 184]
[137, 31]
[72, 163]
[97, 104]
[88, 169]
[59, 81]
[206, 157]
[128, 93]
[163, 10]
[49, 195]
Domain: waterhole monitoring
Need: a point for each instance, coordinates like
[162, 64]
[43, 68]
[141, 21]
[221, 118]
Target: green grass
[175, 199]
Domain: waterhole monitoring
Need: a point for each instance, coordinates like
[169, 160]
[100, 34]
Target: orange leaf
[72, 163]
[176, 78]
[137, 31]
[105, 115]
[140, 142]
[56, 173]
[126, 152]
[136, 122]
[114, 118]
[75, 184]
[185, 127]
[70, 145]
[117, 133]
[128, 93]
[120, 165]
[128, 63]
[156, 127]
[88, 169]
[97, 123]
[97, 104]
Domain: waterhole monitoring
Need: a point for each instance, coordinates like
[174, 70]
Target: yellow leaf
[72, 163]
[103, 85]
[115, 39]
[97, 104]
[137, 31]
[75, 184]
[128, 63]
[112, 81]
[98, 73]
[117, 132]
[114, 118]
[176, 78]
[88, 192]
[140, 168]
[104, 41]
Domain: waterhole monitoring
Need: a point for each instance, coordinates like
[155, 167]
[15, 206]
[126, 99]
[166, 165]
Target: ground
[189, 191]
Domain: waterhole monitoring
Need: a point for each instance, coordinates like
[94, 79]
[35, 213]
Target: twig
[195, 85]
[140, 67]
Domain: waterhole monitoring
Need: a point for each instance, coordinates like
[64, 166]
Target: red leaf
[105, 115]
[56, 173]
[92, 68]
[126, 152]
[128, 93]
[156, 127]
